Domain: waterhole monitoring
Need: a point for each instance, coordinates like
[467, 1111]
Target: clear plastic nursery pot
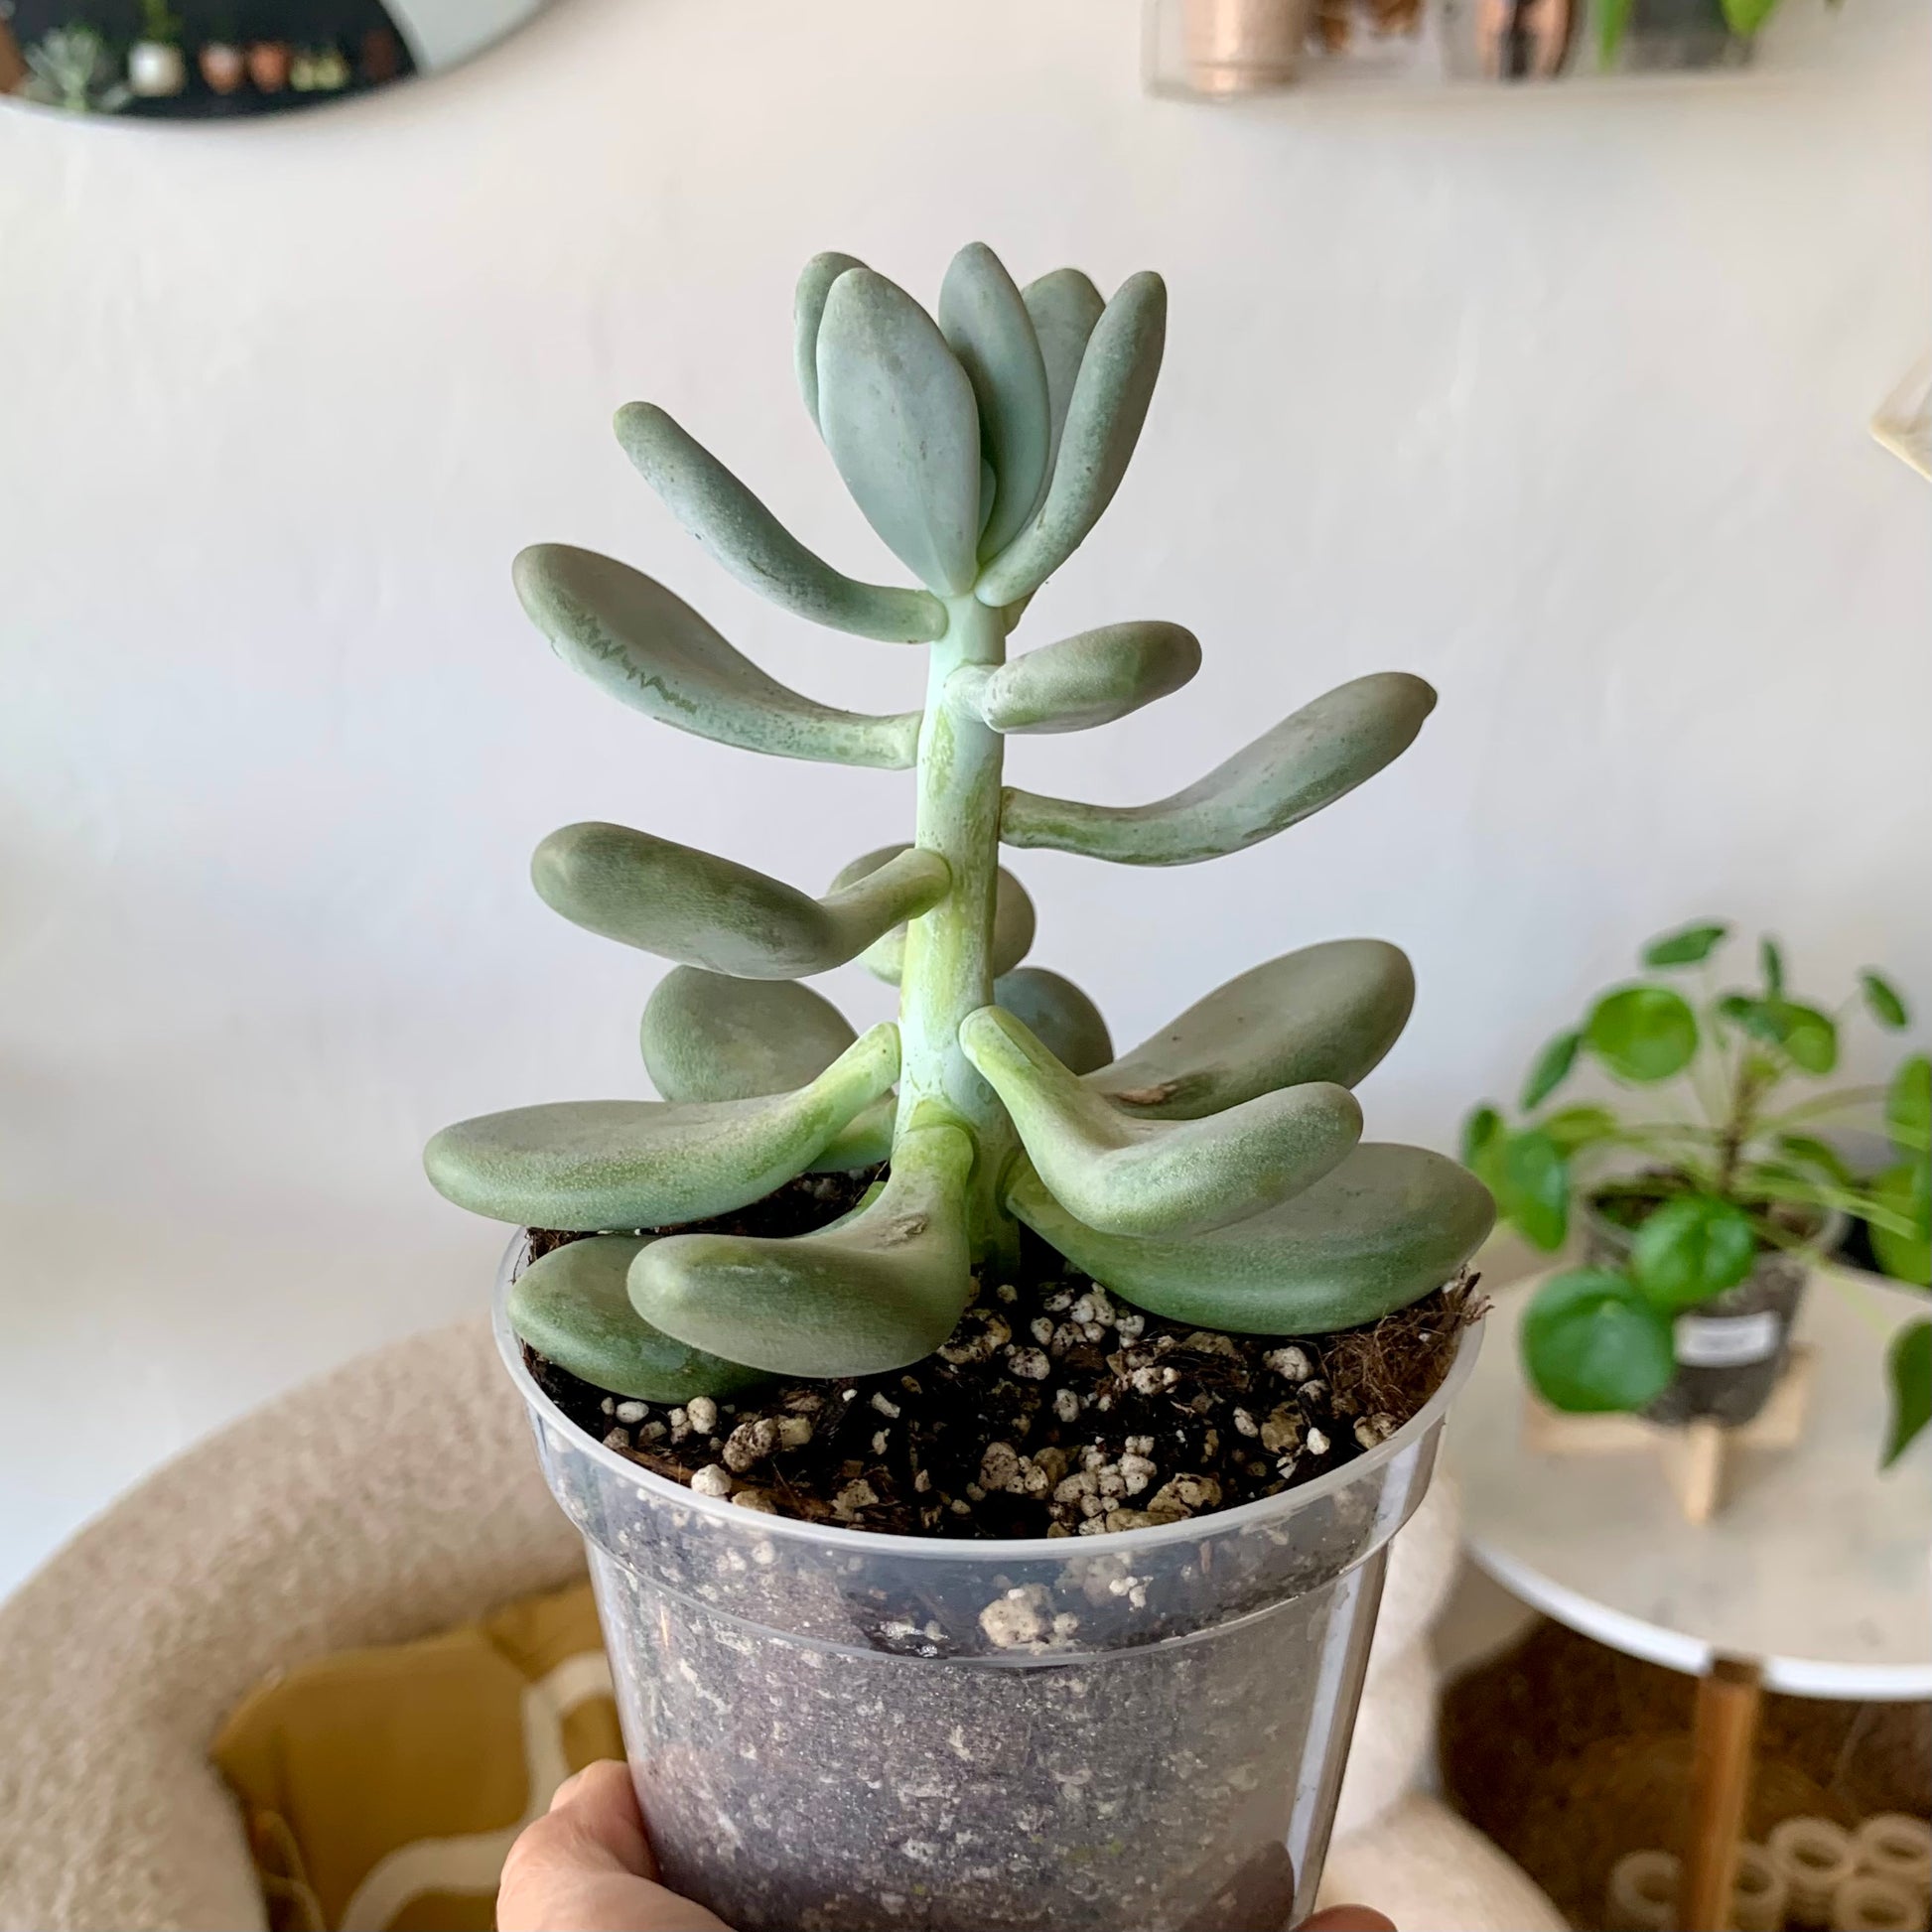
[833, 1729]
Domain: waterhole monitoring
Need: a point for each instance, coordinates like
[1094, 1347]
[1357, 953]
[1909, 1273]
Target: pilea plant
[1739, 1170]
[1214, 1174]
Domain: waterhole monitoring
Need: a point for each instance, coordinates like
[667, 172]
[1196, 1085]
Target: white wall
[1557, 402]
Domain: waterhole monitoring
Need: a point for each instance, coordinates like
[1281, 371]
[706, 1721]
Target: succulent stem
[948, 970]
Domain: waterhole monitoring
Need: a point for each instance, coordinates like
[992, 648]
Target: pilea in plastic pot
[1142, 1724]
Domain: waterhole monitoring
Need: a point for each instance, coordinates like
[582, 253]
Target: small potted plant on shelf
[70, 67]
[987, 1443]
[1702, 1215]
[156, 66]
[1642, 36]
[223, 65]
[269, 62]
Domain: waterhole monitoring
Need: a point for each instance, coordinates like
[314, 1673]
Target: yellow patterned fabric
[382, 1787]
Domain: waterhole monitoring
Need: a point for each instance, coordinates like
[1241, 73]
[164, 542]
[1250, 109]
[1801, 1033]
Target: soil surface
[1052, 1409]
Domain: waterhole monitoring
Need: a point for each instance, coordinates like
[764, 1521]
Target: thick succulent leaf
[901, 419]
[864, 1141]
[1103, 422]
[1085, 680]
[807, 311]
[573, 1308]
[1386, 1227]
[647, 647]
[1123, 1176]
[1310, 759]
[1066, 1020]
[1064, 307]
[707, 1036]
[987, 326]
[1014, 920]
[701, 910]
[880, 1289]
[594, 1165]
[756, 547]
[1324, 1013]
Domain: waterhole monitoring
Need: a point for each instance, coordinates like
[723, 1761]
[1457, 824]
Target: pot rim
[721, 1509]
[1830, 1230]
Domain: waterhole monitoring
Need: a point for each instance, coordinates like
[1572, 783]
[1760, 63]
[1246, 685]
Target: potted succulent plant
[156, 66]
[972, 1547]
[1701, 1220]
[70, 67]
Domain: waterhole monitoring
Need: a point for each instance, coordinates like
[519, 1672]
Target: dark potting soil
[1052, 1409]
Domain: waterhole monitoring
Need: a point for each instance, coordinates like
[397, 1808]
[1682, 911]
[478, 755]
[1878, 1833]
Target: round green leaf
[1770, 962]
[1810, 1036]
[1551, 1068]
[1908, 1105]
[1591, 1342]
[1884, 999]
[1909, 1368]
[1687, 946]
[1907, 1191]
[1690, 1249]
[1642, 1033]
[1532, 1188]
[1574, 1127]
[1480, 1133]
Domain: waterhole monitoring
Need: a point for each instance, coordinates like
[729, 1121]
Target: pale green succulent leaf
[1323, 1012]
[987, 326]
[647, 647]
[1013, 919]
[703, 911]
[1383, 1229]
[807, 311]
[1310, 759]
[1068, 1023]
[751, 543]
[1124, 1175]
[573, 1308]
[864, 1141]
[882, 1288]
[601, 1164]
[708, 1036]
[1065, 307]
[902, 422]
[1103, 422]
[1088, 680]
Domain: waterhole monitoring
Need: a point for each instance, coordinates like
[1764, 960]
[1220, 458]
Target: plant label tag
[1726, 1340]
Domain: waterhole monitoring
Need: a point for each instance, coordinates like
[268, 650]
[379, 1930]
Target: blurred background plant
[72, 68]
[1730, 1168]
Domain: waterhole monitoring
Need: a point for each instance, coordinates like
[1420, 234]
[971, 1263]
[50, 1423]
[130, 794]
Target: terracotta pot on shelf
[1242, 47]
[268, 64]
[223, 66]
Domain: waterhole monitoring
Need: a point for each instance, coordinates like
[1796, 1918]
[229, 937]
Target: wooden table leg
[1725, 1730]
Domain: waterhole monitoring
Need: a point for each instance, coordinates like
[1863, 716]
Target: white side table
[1815, 1579]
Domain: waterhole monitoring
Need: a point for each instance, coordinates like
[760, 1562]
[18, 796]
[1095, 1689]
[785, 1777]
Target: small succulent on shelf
[1213, 1175]
[70, 67]
[1739, 1171]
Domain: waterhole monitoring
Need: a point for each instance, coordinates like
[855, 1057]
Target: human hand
[586, 1867]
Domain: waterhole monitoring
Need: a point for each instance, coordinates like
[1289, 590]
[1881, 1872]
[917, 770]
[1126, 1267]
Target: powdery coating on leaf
[1309, 761]
[756, 547]
[650, 650]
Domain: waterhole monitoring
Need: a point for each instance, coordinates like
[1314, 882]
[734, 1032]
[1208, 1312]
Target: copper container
[1242, 47]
